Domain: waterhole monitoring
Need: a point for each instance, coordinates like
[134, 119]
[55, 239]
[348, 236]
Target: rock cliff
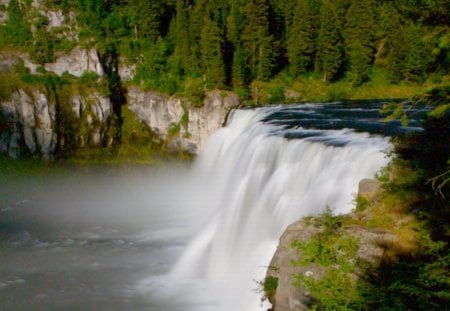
[294, 298]
[175, 120]
[46, 112]
[31, 116]
[34, 123]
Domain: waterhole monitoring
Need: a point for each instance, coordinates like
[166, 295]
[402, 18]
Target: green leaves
[301, 42]
[330, 45]
[332, 254]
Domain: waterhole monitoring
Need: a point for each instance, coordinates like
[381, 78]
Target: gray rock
[289, 297]
[76, 63]
[55, 18]
[126, 71]
[161, 113]
[31, 121]
[368, 187]
[372, 247]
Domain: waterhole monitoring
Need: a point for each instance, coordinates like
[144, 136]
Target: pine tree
[360, 39]
[239, 68]
[301, 42]
[145, 18]
[235, 26]
[330, 46]
[257, 41]
[212, 58]
[406, 57]
[181, 39]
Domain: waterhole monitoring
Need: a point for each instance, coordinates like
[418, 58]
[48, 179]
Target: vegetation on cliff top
[267, 50]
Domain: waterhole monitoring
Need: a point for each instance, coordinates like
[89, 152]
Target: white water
[253, 183]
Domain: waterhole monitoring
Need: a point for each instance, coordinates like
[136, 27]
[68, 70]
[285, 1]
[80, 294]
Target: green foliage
[335, 290]
[419, 282]
[257, 41]
[360, 39]
[407, 57]
[330, 43]
[174, 130]
[362, 203]
[439, 111]
[334, 252]
[268, 287]
[301, 43]
[16, 32]
[194, 91]
[212, 58]
[233, 43]
[89, 78]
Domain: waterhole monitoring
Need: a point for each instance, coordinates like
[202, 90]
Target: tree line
[231, 43]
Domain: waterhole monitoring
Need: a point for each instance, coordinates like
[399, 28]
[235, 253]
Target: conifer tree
[235, 25]
[330, 46]
[239, 68]
[145, 18]
[256, 39]
[181, 39]
[360, 39]
[301, 42]
[212, 57]
[406, 58]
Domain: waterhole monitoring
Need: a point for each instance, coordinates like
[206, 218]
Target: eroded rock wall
[174, 119]
[33, 123]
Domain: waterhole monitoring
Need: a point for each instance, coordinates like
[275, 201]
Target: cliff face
[371, 249]
[186, 127]
[33, 123]
[72, 94]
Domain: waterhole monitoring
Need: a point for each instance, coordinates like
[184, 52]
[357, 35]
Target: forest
[196, 45]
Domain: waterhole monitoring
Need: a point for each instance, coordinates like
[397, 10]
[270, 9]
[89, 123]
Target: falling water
[253, 182]
[190, 239]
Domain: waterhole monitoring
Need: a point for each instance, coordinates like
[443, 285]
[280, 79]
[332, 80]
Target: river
[186, 238]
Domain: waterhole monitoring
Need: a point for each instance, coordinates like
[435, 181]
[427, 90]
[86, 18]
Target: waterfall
[253, 182]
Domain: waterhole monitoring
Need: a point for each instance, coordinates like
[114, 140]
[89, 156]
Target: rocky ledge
[287, 296]
[177, 121]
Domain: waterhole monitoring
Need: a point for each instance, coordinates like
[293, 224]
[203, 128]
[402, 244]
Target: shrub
[268, 288]
[194, 91]
[362, 203]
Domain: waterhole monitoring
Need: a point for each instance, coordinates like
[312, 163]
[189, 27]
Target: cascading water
[254, 182]
[185, 239]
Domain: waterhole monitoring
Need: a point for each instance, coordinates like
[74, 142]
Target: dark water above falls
[185, 238]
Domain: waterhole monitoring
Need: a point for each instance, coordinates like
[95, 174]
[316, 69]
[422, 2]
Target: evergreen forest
[198, 45]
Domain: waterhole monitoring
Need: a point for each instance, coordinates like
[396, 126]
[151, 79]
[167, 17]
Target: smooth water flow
[192, 239]
[254, 183]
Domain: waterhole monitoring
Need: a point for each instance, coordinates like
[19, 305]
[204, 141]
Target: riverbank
[390, 253]
[311, 88]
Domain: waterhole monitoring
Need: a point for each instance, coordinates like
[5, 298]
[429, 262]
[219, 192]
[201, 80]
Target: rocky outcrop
[34, 124]
[126, 71]
[175, 120]
[371, 250]
[76, 62]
